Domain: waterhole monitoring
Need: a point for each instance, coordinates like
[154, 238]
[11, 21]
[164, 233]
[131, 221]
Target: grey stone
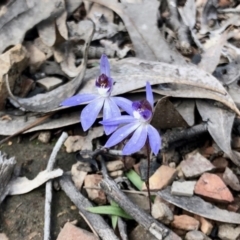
[44, 136]
[162, 212]
[49, 83]
[195, 165]
[115, 165]
[185, 188]
[231, 179]
[228, 232]
[196, 235]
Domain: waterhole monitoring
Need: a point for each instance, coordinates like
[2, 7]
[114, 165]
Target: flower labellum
[137, 124]
[99, 101]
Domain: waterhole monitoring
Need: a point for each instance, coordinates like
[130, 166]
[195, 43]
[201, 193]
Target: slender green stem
[148, 175]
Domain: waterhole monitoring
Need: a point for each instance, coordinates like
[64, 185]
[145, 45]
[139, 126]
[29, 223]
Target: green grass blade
[135, 179]
[109, 210]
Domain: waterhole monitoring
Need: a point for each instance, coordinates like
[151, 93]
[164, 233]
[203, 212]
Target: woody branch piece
[148, 222]
[97, 222]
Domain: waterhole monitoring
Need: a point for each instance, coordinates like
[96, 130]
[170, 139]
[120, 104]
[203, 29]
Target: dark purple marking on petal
[103, 81]
[144, 108]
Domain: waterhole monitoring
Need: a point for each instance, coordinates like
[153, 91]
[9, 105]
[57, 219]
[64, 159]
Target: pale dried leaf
[72, 5]
[23, 185]
[36, 56]
[13, 30]
[120, 52]
[188, 13]
[186, 107]
[47, 32]
[51, 100]
[219, 123]
[166, 116]
[62, 25]
[213, 49]
[199, 207]
[188, 82]
[12, 63]
[103, 19]
[142, 26]
[19, 122]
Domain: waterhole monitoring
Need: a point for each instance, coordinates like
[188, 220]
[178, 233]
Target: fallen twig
[144, 219]
[122, 229]
[97, 222]
[48, 198]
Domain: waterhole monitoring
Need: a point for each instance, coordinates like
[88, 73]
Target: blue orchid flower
[101, 100]
[137, 124]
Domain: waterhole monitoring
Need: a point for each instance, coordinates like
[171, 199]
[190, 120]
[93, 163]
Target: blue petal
[137, 141]
[124, 103]
[149, 94]
[104, 65]
[121, 134]
[110, 110]
[78, 99]
[90, 113]
[119, 120]
[154, 139]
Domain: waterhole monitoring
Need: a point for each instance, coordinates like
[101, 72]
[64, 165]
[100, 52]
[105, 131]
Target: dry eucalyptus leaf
[199, 207]
[188, 13]
[187, 82]
[19, 122]
[16, 23]
[72, 5]
[219, 123]
[51, 100]
[141, 23]
[120, 52]
[23, 185]
[166, 116]
[186, 107]
[62, 25]
[43, 47]
[76, 143]
[47, 32]
[103, 18]
[36, 56]
[213, 49]
[12, 63]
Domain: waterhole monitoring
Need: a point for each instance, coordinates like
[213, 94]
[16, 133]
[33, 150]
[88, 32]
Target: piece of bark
[148, 222]
[97, 222]
[6, 171]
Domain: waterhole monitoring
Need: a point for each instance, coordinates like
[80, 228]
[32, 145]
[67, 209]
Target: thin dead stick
[122, 229]
[48, 198]
[82, 203]
[148, 222]
[34, 124]
[89, 224]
